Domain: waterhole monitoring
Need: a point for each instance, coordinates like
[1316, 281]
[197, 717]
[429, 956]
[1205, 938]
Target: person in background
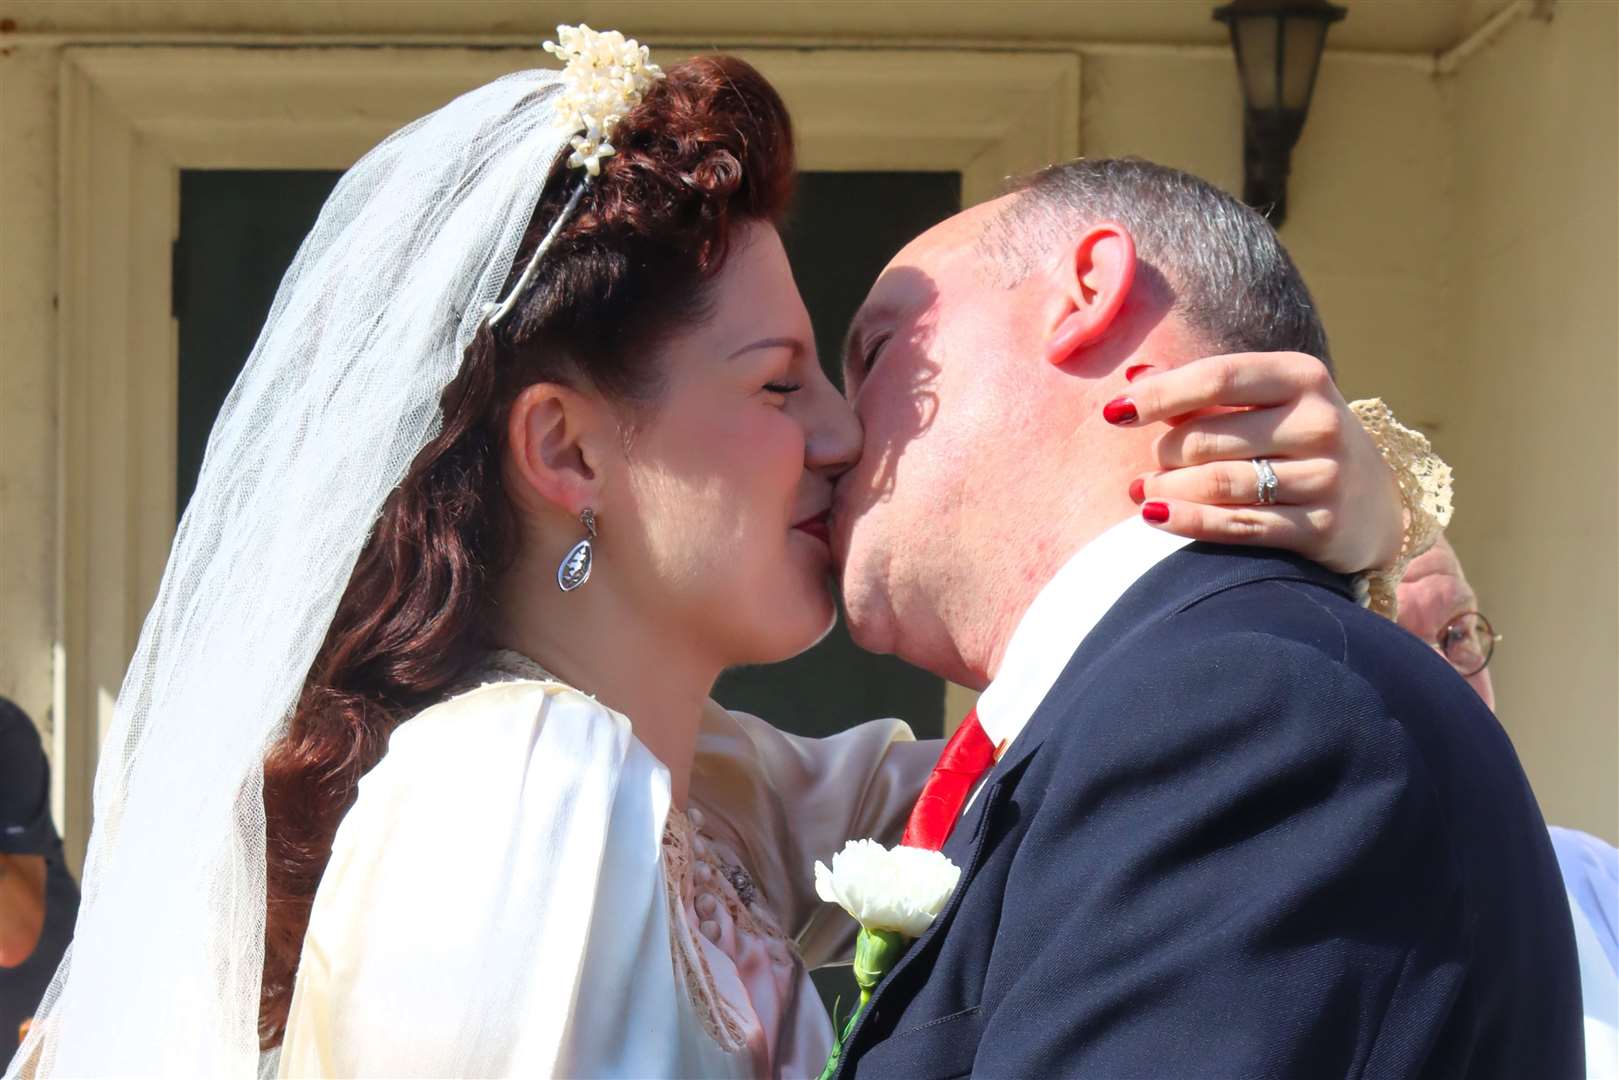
[38, 898]
[1437, 605]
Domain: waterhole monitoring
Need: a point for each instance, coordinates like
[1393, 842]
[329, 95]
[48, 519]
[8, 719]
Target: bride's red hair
[708, 149]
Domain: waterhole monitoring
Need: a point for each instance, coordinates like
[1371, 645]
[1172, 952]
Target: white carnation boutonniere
[604, 76]
[894, 894]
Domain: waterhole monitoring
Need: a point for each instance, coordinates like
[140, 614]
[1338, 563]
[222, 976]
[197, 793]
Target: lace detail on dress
[719, 1019]
[1425, 489]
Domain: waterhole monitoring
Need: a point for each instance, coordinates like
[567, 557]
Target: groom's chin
[870, 623]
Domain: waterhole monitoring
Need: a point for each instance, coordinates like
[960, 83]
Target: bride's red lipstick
[818, 526]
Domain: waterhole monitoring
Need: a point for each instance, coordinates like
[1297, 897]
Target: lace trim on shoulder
[502, 666]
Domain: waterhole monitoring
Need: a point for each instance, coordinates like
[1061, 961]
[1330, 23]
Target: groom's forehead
[909, 275]
[956, 234]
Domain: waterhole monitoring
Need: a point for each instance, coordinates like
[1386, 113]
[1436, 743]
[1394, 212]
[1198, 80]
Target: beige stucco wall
[1367, 202]
[1535, 379]
[1458, 231]
[28, 474]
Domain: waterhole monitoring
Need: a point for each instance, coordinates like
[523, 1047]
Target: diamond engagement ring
[1267, 482]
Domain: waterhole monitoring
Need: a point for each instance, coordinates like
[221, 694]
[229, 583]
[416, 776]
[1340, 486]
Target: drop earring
[575, 568]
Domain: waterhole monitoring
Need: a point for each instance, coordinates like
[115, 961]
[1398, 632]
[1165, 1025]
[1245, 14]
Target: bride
[416, 771]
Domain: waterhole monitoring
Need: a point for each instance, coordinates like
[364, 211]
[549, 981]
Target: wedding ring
[1267, 482]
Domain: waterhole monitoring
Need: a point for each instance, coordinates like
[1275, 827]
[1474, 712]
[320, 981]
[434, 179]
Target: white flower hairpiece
[605, 75]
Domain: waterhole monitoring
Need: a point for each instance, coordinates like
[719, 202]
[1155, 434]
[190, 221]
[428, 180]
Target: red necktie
[965, 759]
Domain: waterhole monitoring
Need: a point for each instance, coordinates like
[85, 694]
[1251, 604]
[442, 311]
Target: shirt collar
[1062, 616]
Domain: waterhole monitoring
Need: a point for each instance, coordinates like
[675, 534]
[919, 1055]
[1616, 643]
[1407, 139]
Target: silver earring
[575, 568]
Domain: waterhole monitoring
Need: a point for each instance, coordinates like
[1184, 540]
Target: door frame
[133, 117]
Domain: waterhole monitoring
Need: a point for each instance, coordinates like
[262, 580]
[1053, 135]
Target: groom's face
[926, 366]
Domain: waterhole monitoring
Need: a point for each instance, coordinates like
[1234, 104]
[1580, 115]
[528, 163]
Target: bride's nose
[834, 435]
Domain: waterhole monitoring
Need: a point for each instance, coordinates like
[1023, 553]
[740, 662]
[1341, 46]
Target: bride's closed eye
[783, 388]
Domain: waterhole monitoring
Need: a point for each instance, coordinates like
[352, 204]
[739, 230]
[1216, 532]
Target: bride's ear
[556, 439]
[1094, 279]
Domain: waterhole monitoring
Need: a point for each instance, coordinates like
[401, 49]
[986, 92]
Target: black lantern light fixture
[1278, 45]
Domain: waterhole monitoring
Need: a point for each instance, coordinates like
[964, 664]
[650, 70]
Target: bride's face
[728, 477]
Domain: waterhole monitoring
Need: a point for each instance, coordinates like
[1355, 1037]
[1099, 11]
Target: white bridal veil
[339, 394]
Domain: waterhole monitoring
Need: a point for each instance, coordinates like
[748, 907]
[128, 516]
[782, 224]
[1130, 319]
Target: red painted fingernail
[1133, 372]
[1120, 410]
[1138, 490]
[1156, 512]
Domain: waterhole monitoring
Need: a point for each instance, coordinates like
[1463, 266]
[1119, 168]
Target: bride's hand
[1337, 502]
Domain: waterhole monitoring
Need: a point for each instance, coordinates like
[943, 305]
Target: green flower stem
[875, 954]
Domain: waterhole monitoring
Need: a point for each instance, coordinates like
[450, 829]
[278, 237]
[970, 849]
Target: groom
[1231, 824]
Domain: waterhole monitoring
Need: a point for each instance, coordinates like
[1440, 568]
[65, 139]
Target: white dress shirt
[1062, 616]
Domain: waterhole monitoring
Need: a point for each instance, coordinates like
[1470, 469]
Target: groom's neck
[1005, 588]
[1037, 574]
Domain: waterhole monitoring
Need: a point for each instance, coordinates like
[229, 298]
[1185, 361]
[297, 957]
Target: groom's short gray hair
[1229, 275]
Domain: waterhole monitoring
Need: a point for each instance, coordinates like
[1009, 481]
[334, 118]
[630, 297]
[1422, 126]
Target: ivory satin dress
[513, 893]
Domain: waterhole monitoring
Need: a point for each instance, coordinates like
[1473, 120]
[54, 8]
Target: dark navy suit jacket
[1253, 831]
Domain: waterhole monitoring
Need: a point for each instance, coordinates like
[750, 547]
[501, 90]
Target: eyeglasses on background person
[1468, 641]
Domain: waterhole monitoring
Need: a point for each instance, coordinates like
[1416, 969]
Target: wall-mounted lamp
[1278, 45]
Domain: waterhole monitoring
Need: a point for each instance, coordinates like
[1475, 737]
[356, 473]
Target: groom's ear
[1094, 276]
[555, 439]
